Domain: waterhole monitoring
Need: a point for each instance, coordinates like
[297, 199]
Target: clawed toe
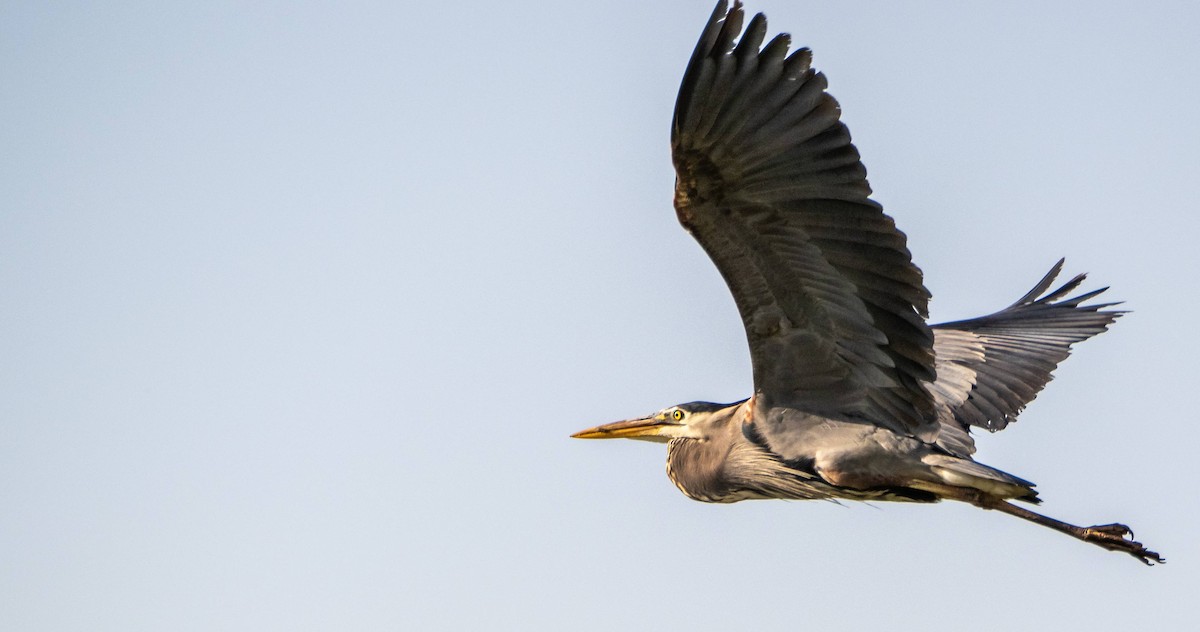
[1119, 537]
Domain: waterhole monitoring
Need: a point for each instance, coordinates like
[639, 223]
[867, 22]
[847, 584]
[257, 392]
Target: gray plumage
[989, 368]
[855, 396]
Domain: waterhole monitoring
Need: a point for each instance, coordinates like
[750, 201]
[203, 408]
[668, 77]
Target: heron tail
[972, 474]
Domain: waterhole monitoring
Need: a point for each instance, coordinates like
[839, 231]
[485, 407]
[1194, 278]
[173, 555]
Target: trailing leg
[1114, 537]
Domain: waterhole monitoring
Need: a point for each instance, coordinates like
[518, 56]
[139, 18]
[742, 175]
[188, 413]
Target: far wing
[989, 368]
[770, 185]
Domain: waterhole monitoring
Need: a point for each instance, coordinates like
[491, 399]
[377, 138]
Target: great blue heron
[855, 396]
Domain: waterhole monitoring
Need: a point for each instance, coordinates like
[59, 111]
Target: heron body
[855, 395]
[722, 465]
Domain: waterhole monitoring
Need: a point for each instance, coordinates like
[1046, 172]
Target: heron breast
[696, 468]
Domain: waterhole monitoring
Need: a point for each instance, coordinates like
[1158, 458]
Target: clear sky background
[299, 303]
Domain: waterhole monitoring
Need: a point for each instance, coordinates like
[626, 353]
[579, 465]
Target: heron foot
[1119, 537]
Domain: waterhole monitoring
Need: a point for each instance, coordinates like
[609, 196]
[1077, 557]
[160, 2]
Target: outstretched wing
[989, 368]
[770, 185]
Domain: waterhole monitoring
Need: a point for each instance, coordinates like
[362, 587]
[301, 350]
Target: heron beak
[645, 427]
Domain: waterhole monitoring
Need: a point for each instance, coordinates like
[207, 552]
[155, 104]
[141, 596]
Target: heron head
[691, 421]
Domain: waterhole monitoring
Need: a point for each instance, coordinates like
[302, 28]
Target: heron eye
[677, 415]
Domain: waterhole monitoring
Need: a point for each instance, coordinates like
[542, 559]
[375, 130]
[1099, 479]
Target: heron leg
[1114, 537]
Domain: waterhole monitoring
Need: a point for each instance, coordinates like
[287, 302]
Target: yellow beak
[644, 427]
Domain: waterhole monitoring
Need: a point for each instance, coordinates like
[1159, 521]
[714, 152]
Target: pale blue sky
[301, 301]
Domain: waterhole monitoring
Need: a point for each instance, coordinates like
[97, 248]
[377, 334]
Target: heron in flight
[855, 395]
